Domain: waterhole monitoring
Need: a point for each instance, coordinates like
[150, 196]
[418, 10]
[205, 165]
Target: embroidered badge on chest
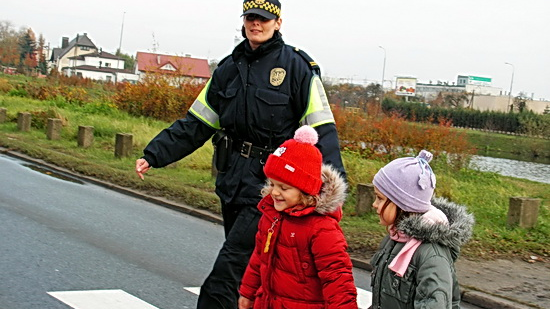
[277, 76]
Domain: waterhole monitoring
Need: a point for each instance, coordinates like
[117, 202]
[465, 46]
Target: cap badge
[279, 151]
[277, 76]
[259, 2]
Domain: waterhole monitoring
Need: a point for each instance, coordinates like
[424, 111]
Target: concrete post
[123, 145]
[53, 130]
[365, 197]
[523, 211]
[3, 115]
[24, 121]
[85, 136]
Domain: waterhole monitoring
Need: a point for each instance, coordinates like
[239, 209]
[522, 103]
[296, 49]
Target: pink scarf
[402, 260]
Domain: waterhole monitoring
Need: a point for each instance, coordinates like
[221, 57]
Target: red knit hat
[297, 162]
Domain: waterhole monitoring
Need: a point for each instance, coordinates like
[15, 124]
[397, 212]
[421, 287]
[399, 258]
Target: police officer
[257, 97]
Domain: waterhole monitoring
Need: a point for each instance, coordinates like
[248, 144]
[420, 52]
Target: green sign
[479, 79]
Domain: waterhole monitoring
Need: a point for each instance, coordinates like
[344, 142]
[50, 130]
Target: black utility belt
[247, 150]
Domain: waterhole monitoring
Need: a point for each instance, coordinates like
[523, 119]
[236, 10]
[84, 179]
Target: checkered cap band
[264, 5]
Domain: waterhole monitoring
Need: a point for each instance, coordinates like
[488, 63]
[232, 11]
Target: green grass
[190, 181]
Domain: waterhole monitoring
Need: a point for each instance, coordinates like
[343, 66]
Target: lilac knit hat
[408, 182]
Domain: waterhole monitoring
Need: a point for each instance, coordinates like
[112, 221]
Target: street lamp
[383, 69]
[511, 84]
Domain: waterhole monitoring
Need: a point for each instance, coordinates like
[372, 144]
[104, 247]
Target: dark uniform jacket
[430, 281]
[259, 97]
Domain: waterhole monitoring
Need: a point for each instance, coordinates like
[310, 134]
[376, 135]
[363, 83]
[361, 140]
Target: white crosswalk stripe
[104, 299]
[364, 297]
[119, 299]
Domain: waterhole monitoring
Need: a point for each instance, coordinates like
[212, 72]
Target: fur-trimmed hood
[333, 191]
[331, 197]
[453, 235]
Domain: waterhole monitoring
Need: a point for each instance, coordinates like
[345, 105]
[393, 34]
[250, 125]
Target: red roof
[149, 62]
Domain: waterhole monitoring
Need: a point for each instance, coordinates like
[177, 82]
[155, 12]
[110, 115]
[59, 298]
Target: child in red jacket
[300, 258]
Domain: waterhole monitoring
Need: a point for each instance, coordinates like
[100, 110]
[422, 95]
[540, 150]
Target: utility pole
[383, 73]
[511, 84]
[121, 31]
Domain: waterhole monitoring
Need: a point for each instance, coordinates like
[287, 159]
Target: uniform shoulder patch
[312, 64]
[223, 60]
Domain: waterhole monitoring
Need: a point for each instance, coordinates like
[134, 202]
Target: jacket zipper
[269, 234]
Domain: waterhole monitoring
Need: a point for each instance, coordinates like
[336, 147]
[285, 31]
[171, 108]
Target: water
[520, 169]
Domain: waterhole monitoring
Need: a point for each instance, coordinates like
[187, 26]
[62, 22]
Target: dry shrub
[158, 97]
[74, 95]
[39, 119]
[5, 86]
[389, 136]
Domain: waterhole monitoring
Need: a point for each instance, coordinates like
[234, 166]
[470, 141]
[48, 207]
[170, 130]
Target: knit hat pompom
[297, 162]
[306, 135]
[426, 155]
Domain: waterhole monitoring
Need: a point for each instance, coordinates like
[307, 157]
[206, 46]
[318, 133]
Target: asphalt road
[67, 243]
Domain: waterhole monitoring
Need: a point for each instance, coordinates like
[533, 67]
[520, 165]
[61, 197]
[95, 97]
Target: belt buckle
[246, 153]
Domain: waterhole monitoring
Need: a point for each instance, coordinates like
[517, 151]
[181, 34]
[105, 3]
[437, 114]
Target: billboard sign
[477, 80]
[405, 86]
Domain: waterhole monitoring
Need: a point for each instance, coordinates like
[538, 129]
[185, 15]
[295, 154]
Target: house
[100, 66]
[82, 58]
[80, 45]
[187, 67]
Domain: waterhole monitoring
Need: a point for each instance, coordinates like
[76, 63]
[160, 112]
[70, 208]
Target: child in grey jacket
[414, 266]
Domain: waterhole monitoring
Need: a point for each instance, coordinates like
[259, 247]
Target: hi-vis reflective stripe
[318, 110]
[203, 111]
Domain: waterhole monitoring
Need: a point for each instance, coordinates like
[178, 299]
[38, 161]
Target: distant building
[82, 58]
[464, 83]
[187, 67]
[100, 66]
[80, 45]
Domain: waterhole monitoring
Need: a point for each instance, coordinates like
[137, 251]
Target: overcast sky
[427, 39]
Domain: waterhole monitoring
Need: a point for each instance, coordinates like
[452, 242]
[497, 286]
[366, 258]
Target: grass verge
[190, 181]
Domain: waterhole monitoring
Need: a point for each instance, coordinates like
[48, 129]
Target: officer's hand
[245, 303]
[142, 167]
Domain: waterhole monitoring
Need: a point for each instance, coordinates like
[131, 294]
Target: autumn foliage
[158, 97]
[379, 136]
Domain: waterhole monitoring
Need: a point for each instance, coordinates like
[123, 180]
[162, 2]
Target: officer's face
[259, 30]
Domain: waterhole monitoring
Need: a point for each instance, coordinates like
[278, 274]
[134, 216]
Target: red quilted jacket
[305, 265]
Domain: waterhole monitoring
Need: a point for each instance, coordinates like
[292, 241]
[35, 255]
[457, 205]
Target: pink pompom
[306, 135]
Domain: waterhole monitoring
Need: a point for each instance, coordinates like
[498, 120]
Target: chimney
[64, 42]
[158, 59]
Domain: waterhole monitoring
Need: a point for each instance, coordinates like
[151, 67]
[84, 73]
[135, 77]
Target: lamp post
[121, 31]
[383, 69]
[511, 84]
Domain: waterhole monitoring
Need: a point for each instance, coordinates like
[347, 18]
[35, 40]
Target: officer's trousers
[220, 289]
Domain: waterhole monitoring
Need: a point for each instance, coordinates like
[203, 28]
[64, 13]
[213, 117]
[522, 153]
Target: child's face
[387, 215]
[284, 196]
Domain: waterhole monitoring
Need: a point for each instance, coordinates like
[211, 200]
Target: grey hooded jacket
[430, 280]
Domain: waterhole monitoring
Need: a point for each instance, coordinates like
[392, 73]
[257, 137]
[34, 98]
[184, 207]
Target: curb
[469, 295]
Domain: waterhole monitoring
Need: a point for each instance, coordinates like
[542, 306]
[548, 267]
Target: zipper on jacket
[269, 234]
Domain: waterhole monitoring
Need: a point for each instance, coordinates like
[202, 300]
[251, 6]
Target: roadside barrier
[3, 115]
[24, 121]
[523, 211]
[85, 136]
[53, 129]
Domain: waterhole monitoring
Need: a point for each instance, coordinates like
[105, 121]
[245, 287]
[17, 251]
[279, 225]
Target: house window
[84, 48]
[79, 74]
[107, 65]
[108, 78]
